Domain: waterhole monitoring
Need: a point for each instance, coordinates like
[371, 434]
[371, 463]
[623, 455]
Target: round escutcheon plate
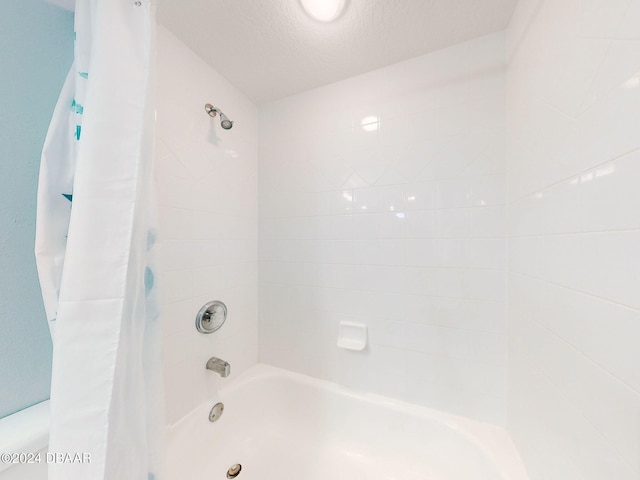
[211, 317]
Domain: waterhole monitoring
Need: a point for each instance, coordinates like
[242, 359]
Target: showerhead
[224, 120]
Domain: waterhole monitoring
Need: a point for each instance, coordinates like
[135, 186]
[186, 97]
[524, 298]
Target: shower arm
[211, 110]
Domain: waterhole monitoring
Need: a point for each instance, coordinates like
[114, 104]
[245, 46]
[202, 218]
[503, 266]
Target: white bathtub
[25, 432]
[283, 426]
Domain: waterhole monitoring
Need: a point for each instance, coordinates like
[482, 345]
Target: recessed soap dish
[352, 336]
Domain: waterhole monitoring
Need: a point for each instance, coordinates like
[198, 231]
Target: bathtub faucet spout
[219, 366]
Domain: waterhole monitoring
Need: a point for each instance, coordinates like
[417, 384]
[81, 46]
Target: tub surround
[382, 202]
[363, 220]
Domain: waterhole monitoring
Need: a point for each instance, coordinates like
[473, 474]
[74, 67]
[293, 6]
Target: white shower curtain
[94, 243]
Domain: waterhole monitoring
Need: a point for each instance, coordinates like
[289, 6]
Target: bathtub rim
[26, 431]
[491, 440]
[262, 371]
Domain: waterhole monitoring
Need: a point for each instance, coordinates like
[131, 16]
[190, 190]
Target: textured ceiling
[270, 48]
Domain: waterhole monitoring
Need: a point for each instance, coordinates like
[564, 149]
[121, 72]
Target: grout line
[612, 39]
[483, 269]
[374, 212]
[586, 357]
[584, 105]
[588, 232]
[356, 290]
[603, 437]
[576, 174]
[365, 239]
[582, 292]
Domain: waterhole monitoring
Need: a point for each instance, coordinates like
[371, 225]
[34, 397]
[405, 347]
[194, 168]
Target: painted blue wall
[36, 51]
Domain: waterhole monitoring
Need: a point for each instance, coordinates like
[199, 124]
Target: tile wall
[382, 201]
[574, 235]
[207, 182]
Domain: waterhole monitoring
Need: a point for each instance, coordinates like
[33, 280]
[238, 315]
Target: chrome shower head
[224, 120]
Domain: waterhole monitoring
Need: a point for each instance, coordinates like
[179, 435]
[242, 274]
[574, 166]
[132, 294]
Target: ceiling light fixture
[323, 10]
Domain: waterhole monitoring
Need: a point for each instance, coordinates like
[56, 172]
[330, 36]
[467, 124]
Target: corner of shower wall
[207, 191]
[573, 168]
[382, 201]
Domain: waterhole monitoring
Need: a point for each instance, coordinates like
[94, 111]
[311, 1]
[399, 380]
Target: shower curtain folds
[94, 249]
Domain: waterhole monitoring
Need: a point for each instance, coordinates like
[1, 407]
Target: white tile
[373, 162]
[487, 253]
[390, 306]
[599, 18]
[423, 253]
[177, 316]
[392, 224]
[478, 284]
[488, 222]
[589, 388]
[339, 227]
[174, 255]
[178, 285]
[607, 199]
[421, 337]
[379, 278]
[490, 408]
[614, 115]
[175, 224]
[392, 252]
[454, 252]
[421, 224]
[486, 316]
[335, 251]
[167, 165]
[488, 190]
[341, 202]
[365, 227]
[456, 343]
[392, 199]
[199, 159]
[454, 192]
[421, 280]
[627, 30]
[365, 200]
[619, 70]
[175, 345]
[365, 252]
[318, 203]
[421, 196]
[603, 331]
[571, 261]
[454, 222]
[454, 120]
[179, 398]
